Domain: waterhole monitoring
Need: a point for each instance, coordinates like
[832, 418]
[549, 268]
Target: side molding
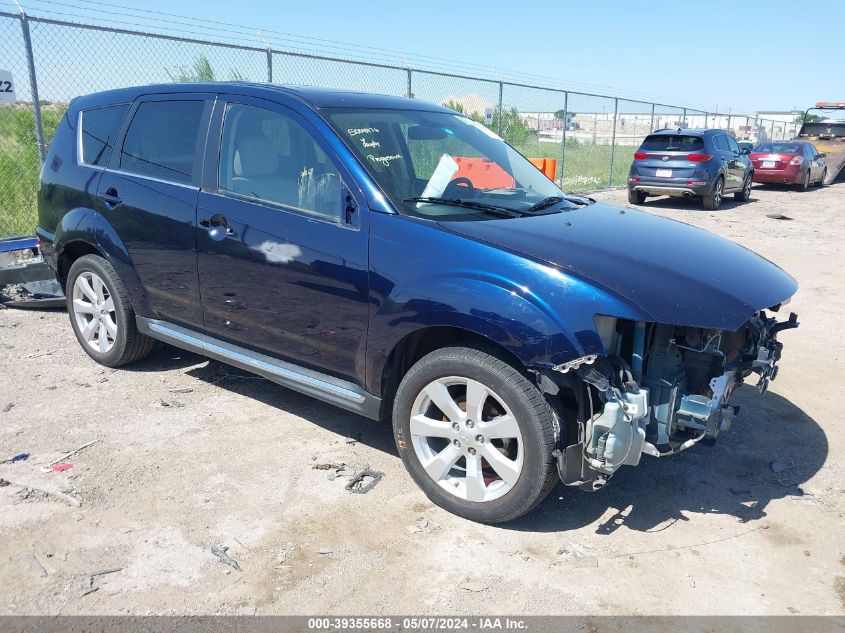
[312, 383]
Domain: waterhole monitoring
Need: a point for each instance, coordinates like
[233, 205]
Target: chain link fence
[591, 138]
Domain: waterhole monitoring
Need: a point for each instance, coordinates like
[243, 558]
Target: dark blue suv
[705, 164]
[401, 261]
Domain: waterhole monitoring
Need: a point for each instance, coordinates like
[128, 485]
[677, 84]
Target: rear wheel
[805, 184]
[636, 197]
[101, 313]
[475, 434]
[713, 200]
[744, 195]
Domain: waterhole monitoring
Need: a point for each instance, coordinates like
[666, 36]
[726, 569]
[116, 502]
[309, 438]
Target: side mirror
[822, 155]
[745, 151]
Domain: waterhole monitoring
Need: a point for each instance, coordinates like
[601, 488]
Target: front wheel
[821, 182]
[713, 200]
[744, 195]
[475, 434]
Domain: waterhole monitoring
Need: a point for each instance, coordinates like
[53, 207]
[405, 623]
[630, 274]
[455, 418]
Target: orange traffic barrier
[483, 174]
[546, 165]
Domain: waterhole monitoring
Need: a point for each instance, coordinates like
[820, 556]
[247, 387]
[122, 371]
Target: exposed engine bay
[659, 390]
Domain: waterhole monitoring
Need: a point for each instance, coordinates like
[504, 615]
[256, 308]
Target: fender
[538, 313]
[116, 252]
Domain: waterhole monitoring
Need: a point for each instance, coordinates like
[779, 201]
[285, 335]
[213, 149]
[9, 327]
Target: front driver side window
[269, 157]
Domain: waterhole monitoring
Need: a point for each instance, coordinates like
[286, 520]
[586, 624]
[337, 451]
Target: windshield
[441, 165]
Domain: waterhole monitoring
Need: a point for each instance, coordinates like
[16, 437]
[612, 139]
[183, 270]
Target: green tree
[514, 131]
[811, 118]
[201, 70]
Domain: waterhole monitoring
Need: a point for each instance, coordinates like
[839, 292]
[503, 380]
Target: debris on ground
[27, 491]
[60, 468]
[35, 565]
[334, 474]
[48, 467]
[356, 483]
[7, 407]
[328, 466]
[220, 553]
[4, 483]
[417, 526]
[180, 390]
[89, 583]
[778, 216]
[474, 586]
[20, 457]
[325, 550]
[175, 404]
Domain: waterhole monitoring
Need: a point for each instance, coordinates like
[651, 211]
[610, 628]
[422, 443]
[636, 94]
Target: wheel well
[417, 344]
[70, 253]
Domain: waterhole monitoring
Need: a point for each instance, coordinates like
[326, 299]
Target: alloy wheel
[94, 312]
[717, 194]
[466, 439]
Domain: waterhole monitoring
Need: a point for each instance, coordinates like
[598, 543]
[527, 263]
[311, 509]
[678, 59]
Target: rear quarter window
[672, 143]
[161, 141]
[99, 129]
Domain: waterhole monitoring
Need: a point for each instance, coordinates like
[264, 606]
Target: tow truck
[824, 126]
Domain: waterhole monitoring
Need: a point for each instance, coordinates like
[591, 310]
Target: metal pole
[269, 65]
[33, 85]
[501, 90]
[613, 139]
[685, 116]
[563, 137]
[410, 92]
[706, 116]
[651, 124]
[730, 116]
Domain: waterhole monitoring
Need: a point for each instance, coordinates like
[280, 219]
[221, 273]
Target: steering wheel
[453, 189]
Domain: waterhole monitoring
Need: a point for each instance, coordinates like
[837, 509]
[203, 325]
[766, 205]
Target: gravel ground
[753, 525]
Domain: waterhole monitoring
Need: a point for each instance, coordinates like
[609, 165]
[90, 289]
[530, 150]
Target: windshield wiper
[553, 200]
[544, 203]
[468, 204]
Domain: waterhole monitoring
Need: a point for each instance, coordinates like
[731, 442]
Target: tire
[104, 306]
[744, 194]
[636, 197]
[511, 407]
[805, 184]
[713, 200]
[820, 183]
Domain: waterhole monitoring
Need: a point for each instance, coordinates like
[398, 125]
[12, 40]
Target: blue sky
[739, 55]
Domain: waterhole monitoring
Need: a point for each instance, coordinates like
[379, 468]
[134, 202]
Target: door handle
[110, 198]
[217, 226]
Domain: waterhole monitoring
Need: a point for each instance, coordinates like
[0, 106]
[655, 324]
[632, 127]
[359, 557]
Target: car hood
[676, 273]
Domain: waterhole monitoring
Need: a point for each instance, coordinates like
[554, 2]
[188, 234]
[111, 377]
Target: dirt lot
[753, 525]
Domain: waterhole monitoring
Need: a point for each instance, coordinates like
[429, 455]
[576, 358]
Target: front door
[736, 164]
[148, 194]
[284, 255]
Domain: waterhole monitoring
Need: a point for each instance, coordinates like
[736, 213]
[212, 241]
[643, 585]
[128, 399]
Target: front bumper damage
[659, 390]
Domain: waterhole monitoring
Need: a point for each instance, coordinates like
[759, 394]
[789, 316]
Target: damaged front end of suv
[658, 390]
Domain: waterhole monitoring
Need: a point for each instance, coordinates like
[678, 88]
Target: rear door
[283, 241]
[148, 195]
[737, 165]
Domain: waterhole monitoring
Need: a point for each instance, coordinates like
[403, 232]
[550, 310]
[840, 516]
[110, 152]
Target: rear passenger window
[269, 157]
[162, 140]
[99, 129]
[719, 142]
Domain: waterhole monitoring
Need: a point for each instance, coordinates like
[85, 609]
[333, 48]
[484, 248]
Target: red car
[789, 162]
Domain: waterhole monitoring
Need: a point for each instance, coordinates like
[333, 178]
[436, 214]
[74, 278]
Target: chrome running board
[312, 383]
